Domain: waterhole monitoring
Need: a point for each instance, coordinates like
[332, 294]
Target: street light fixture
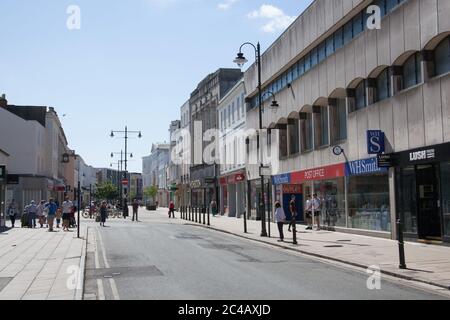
[274, 103]
[240, 61]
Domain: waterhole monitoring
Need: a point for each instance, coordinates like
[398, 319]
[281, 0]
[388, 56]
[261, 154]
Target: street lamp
[240, 61]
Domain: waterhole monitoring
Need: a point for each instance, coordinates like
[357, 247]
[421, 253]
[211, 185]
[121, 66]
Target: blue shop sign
[281, 179]
[365, 166]
[375, 142]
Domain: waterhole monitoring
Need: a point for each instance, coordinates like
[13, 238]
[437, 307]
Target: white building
[3, 172]
[232, 136]
[154, 171]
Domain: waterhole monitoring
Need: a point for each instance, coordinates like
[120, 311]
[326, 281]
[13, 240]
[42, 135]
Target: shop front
[423, 192]
[2, 196]
[285, 191]
[232, 193]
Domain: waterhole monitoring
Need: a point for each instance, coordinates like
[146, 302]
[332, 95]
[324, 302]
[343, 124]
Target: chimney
[3, 101]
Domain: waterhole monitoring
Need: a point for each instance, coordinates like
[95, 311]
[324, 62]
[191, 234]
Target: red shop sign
[239, 177]
[329, 172]
[223, 181]
[292, 188]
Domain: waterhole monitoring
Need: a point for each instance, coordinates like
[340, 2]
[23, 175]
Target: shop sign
[195, 184]
[292, 188]
[429, 154]
[422, 155]
[281, 179]
[385, 160]
[239, 177]
[364, 166]
[375, 142]
[328, 172]
[223, 181]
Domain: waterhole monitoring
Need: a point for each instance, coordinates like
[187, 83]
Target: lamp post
[240, 61]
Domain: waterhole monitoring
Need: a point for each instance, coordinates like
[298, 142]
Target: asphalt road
[158, 259]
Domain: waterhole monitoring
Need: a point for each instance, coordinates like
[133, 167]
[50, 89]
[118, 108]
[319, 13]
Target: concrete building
[232, 136]
[341, 83]
[203, 106]
[185, 143]
[174, 168]
[154, 172]
[3, 181]
[135, 186]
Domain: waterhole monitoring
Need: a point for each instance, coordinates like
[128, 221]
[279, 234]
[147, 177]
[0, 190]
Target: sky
[107, 64]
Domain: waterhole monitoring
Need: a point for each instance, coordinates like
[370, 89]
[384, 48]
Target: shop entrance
[429, 217]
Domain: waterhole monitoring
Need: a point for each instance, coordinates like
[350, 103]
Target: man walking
[52, 208]
[316, 204]
[41, 213]
[308, 213]
[293, 210]
[32, 211]
[135, 210]
[67, 208]
[12, 211]
[171, 210]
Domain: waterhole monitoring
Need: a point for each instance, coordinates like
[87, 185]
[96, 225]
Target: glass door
[429, 216]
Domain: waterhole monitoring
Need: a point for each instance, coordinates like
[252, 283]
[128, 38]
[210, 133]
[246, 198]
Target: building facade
[232, 178]
[154, 172]
[203, 102]
[3, 180]
[174, 168]
[381, 96]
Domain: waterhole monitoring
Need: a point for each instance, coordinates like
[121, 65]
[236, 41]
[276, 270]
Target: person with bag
[67, 208]
[103, 213]
[12, 212]
[280, 219]
[52, 209]
[171, 210]
[293, 210]
[135, 210]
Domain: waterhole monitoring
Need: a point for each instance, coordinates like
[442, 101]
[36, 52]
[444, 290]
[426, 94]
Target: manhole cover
[333, 246]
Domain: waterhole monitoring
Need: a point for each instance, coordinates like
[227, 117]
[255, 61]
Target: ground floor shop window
[368, 202]
[331, 194]
[445, 182]
[406, 198]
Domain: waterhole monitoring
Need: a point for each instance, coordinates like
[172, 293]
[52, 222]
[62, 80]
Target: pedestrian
[135, 209]
[52, 208]
[293, 210]
[125, 208]
[73, 222]
[171, 210]
[67, 208]
[41, 213]
[316, 204]
[58, 216]
[280, 219]
[308, 212]
[103, 213]
[12, 212]
[31, 210]
[214, 207]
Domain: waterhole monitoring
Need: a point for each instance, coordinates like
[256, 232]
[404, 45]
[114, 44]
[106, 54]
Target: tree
[151, 192]
[106, 191]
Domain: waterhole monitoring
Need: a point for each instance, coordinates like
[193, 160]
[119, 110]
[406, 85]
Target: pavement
[429, 264]
[39, 265]
[169, 259]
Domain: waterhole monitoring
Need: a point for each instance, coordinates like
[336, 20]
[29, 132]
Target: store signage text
[375, 142]
[363, 167]
[281, 179]
[292, 189]
[422, 155]
[328, 172]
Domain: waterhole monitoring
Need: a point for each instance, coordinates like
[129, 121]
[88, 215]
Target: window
[294, 143]
[238, 113]
[322, 51]
[232, 112]
[383, 85]
[306, 132]
[283, 143]
[358, 24]
[338, 39]
[348, 32]
[307, 62]
[314, 57]
[242, 104]
[382, 5]
[329, 46]
[289, 76]
[391, 4]
[360, 95]
[412, 71]
[301, 67]
[442, 57]
[295, 72]
[321, 127]
[338, 121]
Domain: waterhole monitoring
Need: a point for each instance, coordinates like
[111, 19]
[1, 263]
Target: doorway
[429, 217]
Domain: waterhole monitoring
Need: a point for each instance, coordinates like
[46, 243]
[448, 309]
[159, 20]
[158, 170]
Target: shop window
[294, 141]
[360, 96]
[329, 46]
[368, 199]
[445, 181]
[283, 143]
[338, 121]
[322, 52]
[306, 132]
[412, 74]
[383, 85]
[321, 127]
[331, 194]
[407, 198]
[442, 57]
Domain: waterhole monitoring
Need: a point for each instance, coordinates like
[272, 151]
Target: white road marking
[101, 291]
[103, 250]
[114, 289]
[97, 259]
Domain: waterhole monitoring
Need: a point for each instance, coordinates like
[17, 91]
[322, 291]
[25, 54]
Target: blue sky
[132, 62]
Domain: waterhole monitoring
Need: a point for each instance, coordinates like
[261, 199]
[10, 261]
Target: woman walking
[103, 213]
[12, 211]
[280, 219]
[41, 213]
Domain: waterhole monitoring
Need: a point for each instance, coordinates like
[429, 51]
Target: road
[158, 259]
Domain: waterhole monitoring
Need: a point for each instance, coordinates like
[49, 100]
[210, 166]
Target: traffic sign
[124, 182]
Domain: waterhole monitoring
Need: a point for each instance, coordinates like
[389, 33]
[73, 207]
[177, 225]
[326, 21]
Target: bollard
[294, 230]
[189, 213]
[204, 215]
[196, 210]
[181, 212]
[209, 222]
[401, 245]
[245, 222]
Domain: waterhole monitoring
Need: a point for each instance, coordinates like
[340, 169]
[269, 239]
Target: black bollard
[189, 213]
[196, 211]
[209, 222]
[401, 245]
[204, 215]
[294, 231]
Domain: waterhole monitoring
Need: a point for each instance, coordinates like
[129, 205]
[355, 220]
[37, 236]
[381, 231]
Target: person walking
[308, 213]
[171, 210]
[41, 213]
[52, 208]
[214, 207]
[103, 213]
[316, 204]
[125, 208]
[12, 212]
[135, 210]
[280, 219]
[293, 210]
[67, 208]
[31, 210]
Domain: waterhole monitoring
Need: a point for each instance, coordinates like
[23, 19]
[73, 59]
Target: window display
[331, 194]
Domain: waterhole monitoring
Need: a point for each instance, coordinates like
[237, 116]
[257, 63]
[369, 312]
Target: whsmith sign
[375, 142]
[364, 166]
